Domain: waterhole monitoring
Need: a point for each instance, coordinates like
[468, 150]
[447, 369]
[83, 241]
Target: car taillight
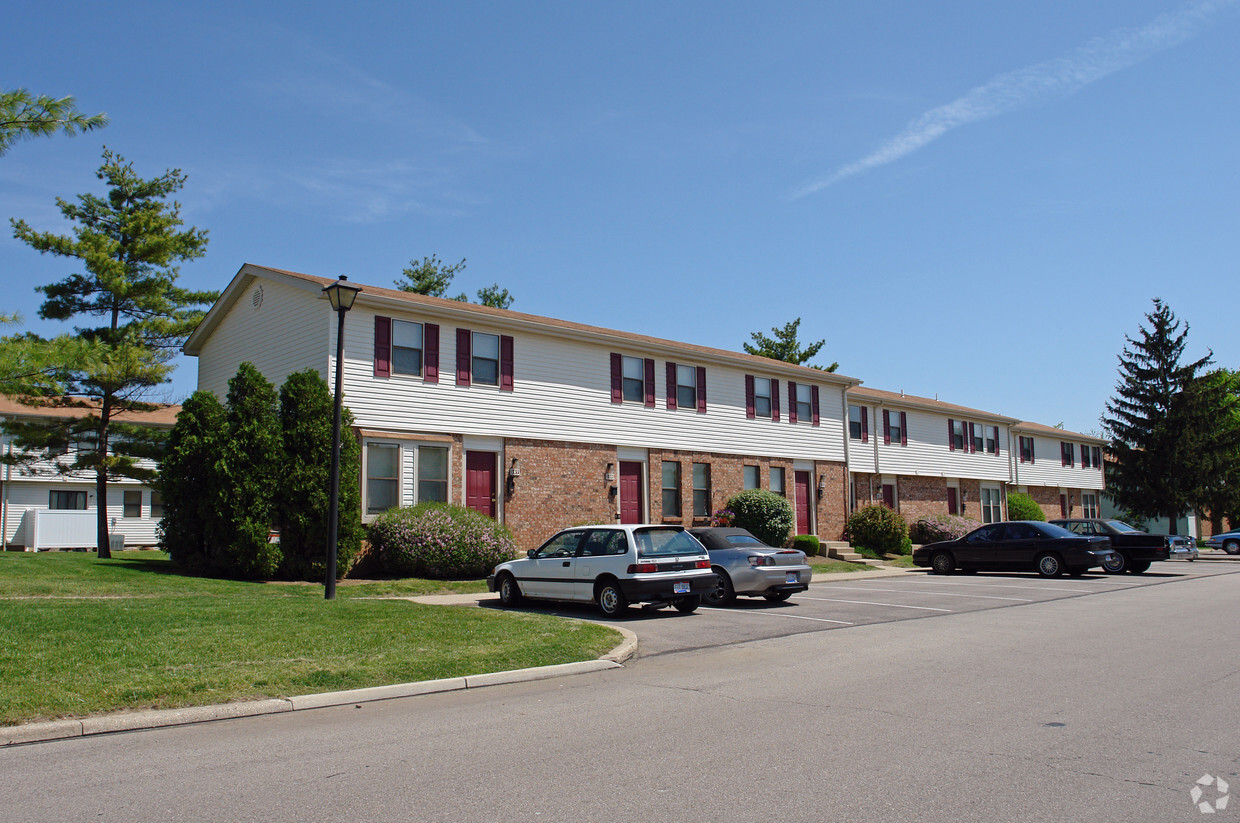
[758, 560]
[702, 564]
[643, 568]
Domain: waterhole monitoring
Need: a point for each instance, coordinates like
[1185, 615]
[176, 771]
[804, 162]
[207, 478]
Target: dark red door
[480, 482]
[631, 492]
[803, 492]
[952, 506]
[1064, 511]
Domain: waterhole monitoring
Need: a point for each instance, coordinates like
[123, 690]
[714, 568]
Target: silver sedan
[747, 566]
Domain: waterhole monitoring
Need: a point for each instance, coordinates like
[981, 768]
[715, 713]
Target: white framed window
[701, 489]
[407, 348]
[634, 379]
[386, 464]
[1089, 504]
[979, 437]
[671, 488]
[485, 359]
[778, 484]
[157, 505]
[431, 466]
[59, 499]
[805, 403]
[761, 397]
[382, 477]
[991, 511]
[686, 387]
[132, 503]
[856, 423]
[753, 477]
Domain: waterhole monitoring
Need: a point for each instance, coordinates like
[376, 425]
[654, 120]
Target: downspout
[848, 480]
[878, 470]
[1014, 473]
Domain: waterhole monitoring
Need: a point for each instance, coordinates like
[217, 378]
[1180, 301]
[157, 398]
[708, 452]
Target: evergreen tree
[22, 115]
[193, 486]
[1217, 444]
[129, 243]
[1157, 423]
[432, 277]
[303, 493]
[250, 456]
[785, 346]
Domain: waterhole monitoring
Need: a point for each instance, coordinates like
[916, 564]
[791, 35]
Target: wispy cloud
[1024, 87]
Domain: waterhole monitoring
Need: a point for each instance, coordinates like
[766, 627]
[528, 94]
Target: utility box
[116, 542]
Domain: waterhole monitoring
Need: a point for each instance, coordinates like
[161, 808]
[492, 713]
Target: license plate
[792, 577]
[680, 588]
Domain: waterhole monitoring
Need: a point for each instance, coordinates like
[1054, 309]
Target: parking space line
[778, 614]
[1007, 586]
[869, 603]
[932, 594]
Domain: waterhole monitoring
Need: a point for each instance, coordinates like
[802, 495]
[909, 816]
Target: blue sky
[973, 200]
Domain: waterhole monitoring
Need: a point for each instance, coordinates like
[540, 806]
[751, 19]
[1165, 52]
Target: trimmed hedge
[938, 527]
[766, 515]
[1023, 507]
[808, 543]
[879, 528]
[440, 542]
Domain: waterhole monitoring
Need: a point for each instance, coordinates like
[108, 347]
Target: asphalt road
[1105, 706]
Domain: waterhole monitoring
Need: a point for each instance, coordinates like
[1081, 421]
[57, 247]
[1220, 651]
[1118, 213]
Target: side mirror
[530, 552]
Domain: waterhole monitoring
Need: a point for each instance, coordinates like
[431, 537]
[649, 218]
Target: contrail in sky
[1023, 87]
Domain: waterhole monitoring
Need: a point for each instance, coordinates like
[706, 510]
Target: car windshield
[1122, 527]
[745, 540]
[664, 542]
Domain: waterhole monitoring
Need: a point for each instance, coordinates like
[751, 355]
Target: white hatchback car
[612, 566]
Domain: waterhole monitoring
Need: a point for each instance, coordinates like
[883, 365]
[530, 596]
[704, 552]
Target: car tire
[687, 604]
[1049, 565]
[777, 597]
[1232, 546]
[723, 593]
[509, 591]
[610, 599]
[1139, 566]
[1119, 566]
[942, 563]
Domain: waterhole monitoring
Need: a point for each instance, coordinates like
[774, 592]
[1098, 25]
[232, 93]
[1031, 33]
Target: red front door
[803, 492]
[480, 482]
[630, 492]
[951, 500]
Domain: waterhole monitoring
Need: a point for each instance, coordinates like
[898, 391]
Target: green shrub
[191, 482]
[878, 528]
[250, 453]
[1022, 507]
[440, 542]
[766, 515]
[938, 527]
[808, 543]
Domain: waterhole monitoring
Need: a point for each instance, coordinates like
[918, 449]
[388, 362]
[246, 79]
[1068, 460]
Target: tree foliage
[786, 347]
[23, 116]
[1166, 424]
[431, 276]
[129, 243]
[250, 454]
[192, 483]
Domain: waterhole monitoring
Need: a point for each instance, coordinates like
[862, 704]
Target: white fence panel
[54, 529]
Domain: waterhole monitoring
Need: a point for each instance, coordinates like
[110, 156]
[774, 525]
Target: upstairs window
[634, 380]
[992, 439]
[978, 433]
[805, 407]
[1067, 454]
[484, 364]
[955, 435]
[407, 348]
[895, 428]
[1026, 449]
[485, 359]
[404, 347]
[858, 423]
[761, 397]
[686, 387]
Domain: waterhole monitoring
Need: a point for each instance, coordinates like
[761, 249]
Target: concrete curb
[137, 721]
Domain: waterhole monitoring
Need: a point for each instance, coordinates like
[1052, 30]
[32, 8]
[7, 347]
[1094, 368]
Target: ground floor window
[382, 477]
[778, 484]
[1089, 505]
[753, 477]
[991, 510]
[671, 489]
[390, 467]
[67, 500]
[133, 504]
[432, 469]
[701, 489]
[157, 505]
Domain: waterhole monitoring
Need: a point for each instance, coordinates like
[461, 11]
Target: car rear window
[744, 540]
[661, 542]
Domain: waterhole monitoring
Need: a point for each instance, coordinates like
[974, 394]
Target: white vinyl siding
[928, 452]
[1046, 469]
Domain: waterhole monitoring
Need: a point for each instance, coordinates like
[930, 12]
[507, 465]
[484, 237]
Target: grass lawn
[80, 636]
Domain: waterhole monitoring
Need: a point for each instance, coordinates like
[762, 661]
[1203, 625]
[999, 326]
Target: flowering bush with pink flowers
[440, 542]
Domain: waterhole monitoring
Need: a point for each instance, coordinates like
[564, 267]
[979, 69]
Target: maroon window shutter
[430, 343]
[792, 402]
[886, 427]
[617, 384]
[865, 424]
[506, 362]
[972, 442]
[903, 428]
[648, 373]
[671, 385]
[951, 434]
[1063, 455]
[998, 447]
[462, 357]
[749, 402]
[701, 389]
[383, 347]
[774, 401]
[813, 396]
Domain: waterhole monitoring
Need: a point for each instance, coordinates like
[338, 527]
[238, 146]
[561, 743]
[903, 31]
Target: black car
[1134, 548]
[1019, 545]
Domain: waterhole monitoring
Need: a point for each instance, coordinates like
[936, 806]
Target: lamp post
[341, 295]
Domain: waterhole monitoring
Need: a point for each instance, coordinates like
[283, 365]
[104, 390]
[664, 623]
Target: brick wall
[561, 485]
[1047, 497]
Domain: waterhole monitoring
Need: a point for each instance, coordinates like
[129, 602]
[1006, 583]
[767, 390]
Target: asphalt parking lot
[856, 599]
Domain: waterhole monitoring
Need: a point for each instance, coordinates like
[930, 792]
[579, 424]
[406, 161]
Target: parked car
[1227, 541]
[1134, 549]
[612, 566]
[1018, 545]
[745, 565]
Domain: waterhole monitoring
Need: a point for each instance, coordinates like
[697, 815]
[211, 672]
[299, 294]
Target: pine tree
[250, 463]
[1156, 421]
[22, 115]
[785, 346]
[129, 242]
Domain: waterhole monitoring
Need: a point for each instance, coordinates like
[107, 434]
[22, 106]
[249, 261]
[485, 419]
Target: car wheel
[777, 597]
[1050, 565]
[1232, 546]
[943, 563]
[509, 591]
[1139, 566]
[611, 601]
[687, 604]
[1118, 565]
[723, 593]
